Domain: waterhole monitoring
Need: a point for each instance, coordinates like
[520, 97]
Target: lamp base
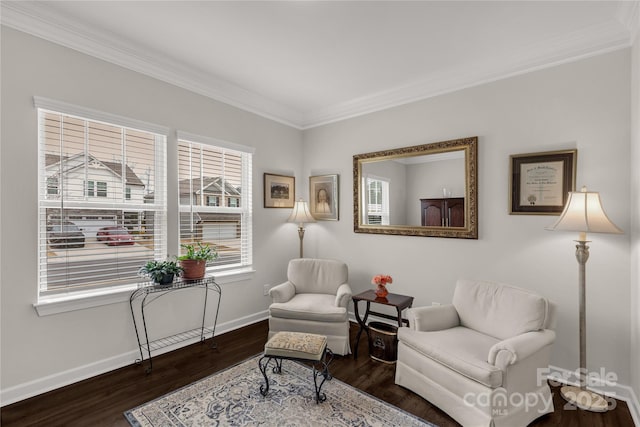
[584, 399]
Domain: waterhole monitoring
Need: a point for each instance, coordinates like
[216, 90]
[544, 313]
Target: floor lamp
[584, 213]
[301, 215]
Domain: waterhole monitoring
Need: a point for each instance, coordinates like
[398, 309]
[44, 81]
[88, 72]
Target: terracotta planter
[193, 269]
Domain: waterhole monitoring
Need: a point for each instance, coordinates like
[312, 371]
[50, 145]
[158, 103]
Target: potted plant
[194, 261]
[161, 272]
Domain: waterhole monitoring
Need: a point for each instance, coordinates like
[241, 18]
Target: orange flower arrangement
[381, 280]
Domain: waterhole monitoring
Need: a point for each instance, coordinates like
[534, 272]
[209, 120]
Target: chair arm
[343, 296]
[433, 318]
[520, 347]
[283, 292]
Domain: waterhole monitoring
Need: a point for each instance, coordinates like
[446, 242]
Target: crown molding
[38, 19]
[629, 15]
[578, 45]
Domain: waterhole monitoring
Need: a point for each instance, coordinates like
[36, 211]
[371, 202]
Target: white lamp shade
[300, 213]
[584, 213]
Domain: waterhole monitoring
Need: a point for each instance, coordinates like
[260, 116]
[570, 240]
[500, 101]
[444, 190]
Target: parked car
[114, 236]
[64, 235]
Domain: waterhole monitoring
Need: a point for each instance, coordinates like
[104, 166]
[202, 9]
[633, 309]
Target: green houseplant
[194, 261]
[161, 272]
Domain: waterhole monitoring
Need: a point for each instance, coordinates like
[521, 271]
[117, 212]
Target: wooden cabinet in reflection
[442, 212]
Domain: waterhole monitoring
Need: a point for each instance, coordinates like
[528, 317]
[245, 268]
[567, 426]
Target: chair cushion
[461, 349]
[296, 345]
[317, 307]
[317, 276]
[499, 310]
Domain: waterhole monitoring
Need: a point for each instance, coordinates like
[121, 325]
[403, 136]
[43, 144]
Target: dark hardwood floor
[100, 401]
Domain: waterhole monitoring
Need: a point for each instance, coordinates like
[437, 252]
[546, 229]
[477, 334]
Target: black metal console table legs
[148, 292]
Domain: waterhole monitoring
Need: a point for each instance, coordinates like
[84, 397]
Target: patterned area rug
[232, 398]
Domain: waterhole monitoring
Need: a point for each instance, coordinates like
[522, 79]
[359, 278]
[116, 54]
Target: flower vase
[381, 291]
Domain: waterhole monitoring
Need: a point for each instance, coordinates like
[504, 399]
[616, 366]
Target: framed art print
[541, 182]
[323, 195]
[279, 191]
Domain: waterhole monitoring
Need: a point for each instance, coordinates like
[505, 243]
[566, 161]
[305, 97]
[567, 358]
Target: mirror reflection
[426, 190]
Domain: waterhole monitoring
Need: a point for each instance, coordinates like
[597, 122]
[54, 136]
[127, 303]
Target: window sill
[82, 300]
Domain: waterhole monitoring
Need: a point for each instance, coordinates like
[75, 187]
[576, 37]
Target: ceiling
[307, 63]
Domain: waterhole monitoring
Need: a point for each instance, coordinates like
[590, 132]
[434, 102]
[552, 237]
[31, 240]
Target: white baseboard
[612, 389]
[42, 385]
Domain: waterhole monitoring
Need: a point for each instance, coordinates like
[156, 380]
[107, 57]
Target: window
[215, 198]
[91, 188]
[376, 201]
[102, 189]
[52, 186]
[96, 174]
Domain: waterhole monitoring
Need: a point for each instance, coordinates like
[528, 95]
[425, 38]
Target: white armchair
[314, 300]
[482, 359]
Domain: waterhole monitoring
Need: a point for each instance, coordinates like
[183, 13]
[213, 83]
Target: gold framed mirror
[428, 190]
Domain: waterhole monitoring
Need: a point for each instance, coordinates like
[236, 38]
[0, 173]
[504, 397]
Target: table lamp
[583, 213]
[301, 215]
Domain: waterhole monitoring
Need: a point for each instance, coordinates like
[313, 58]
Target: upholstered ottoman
[297, 346]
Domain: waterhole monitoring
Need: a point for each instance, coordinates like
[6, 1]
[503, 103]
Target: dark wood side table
[400, 302]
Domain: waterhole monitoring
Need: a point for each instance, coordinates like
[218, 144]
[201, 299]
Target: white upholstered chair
[314, 300]
[482, 359]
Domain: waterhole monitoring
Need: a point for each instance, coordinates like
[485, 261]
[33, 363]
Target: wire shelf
[199, 333]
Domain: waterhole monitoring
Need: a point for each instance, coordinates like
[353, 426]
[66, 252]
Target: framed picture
[279, 191]
[323, 195]
[540, 182]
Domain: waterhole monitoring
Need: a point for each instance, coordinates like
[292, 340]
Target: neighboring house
[204, 225]
[100, 180]
[209, 226]
[92, 180]
[208, 191]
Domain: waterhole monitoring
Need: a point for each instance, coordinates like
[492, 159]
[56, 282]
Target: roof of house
[115, 167]
[209, 185]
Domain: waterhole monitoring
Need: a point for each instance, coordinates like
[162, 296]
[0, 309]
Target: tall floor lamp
[301, 215]
[583, 213]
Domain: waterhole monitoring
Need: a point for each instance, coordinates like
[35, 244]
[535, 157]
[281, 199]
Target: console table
[149, 292]
[400, 302]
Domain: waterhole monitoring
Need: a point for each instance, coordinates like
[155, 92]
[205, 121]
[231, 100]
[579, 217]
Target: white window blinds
[376, 201]
[214, 184]
[102, 202]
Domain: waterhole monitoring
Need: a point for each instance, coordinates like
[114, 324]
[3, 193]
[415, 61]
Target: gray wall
[583, 105]
[635, 216]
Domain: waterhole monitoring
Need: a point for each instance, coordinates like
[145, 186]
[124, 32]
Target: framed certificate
[541, 182]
